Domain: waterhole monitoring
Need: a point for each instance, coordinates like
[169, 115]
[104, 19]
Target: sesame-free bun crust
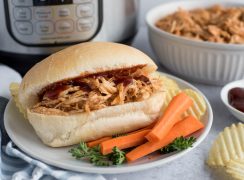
[79, 60]
[59, 131]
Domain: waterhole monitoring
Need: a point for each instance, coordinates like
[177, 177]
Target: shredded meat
[90, 93]
[215, 24]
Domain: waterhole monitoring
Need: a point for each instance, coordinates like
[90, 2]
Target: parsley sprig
[82, 151]
[178, 144]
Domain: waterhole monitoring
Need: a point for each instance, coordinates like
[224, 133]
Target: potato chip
[14, 89]
[170, 93]
[169, 83]
[235, 168]
[229, 145]
[199, 108]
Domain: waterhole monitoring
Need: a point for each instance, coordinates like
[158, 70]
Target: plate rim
[122, 169]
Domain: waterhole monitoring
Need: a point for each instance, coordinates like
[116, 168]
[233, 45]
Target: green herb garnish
[178, 144]
[82, 151]
[117, 156]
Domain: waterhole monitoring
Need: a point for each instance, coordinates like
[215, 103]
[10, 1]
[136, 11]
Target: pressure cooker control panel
[50, 22]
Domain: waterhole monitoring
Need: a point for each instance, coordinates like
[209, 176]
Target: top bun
[79, 60]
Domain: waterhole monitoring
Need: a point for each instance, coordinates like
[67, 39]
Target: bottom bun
[58, 131]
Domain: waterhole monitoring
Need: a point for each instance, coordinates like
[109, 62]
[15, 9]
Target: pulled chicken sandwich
[89, 91]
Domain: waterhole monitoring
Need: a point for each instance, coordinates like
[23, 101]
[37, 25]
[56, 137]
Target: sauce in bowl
[236, 98]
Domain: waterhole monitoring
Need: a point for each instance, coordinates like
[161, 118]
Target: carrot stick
[178, 105]
[183, 128]
[98, 141]
[123, 142]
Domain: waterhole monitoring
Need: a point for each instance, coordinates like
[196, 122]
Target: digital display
[51, 2]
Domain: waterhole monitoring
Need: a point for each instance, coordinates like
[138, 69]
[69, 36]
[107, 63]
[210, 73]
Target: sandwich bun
[58, 131]
[81, 60]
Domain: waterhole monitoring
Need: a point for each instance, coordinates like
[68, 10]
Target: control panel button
[51, 2]
[22, 13]
[84, 10]
[84, 24]
[64, 26]
[44, 27]
[22, 2]
[63, 12]
[24, 28]
[44, 2]
[81, 1]
[43, 13]
[60, 2]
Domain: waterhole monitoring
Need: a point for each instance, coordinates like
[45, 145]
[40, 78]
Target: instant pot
[33, 29]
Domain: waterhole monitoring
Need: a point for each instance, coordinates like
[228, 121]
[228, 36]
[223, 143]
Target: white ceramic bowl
[224, 97]
[207, 62]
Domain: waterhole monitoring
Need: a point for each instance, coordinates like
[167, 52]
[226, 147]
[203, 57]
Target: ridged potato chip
[170, 93]
[235, 168]
[229, 145]
[197, 110]
[169, 83]
[14, 89]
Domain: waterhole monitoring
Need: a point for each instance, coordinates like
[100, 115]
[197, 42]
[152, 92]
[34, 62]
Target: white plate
[25, 138]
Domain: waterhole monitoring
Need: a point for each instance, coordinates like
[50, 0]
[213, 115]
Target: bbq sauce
[121, 76]
[54, 91]
[236, 98]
